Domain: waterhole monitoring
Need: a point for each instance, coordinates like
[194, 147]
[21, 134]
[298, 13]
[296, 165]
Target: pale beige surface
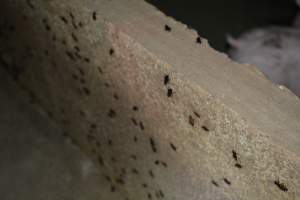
[215, 130]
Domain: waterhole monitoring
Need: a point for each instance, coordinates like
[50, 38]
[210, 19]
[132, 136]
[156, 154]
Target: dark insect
[142, 127]
[94, 15]
[198, 40]
[135, 108]
[166, 79]
[100, 160]
[93, 126]
[161, 193]
[112, 113]
[238, 165]
[135, 171]
[164, 164]
[191, 121]
[87, 60]
[205, 128]
[153, 147]
[133, 157]
[151, 173]
[86, 91]
[111, 52]
[197, 114]
[112, 188]
[281, 186]
[116, 97]
[74, 37]
[215, 183]
[234, 155]
[173, 146]
[64, 19]
[168, 28]
[227, 181]
[134, 121]
[170, 92]
[120, 181]
[29, 3]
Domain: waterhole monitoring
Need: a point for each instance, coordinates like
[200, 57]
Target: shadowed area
[37, 162]
[214, 19]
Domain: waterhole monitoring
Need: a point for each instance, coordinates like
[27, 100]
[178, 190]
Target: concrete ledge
[163, 114]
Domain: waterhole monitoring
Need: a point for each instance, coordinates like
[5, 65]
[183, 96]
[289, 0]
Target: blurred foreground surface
[37, 162]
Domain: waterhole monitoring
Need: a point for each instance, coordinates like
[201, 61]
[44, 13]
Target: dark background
[213, 19]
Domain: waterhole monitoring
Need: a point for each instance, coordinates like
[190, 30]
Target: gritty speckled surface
[37, 161]
[197, 135]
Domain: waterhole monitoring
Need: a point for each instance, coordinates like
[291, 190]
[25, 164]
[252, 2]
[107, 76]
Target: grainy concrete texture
[162, 114]
[37, 161]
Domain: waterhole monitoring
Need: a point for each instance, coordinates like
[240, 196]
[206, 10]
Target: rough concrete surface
[37, 162]
[162, 114]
